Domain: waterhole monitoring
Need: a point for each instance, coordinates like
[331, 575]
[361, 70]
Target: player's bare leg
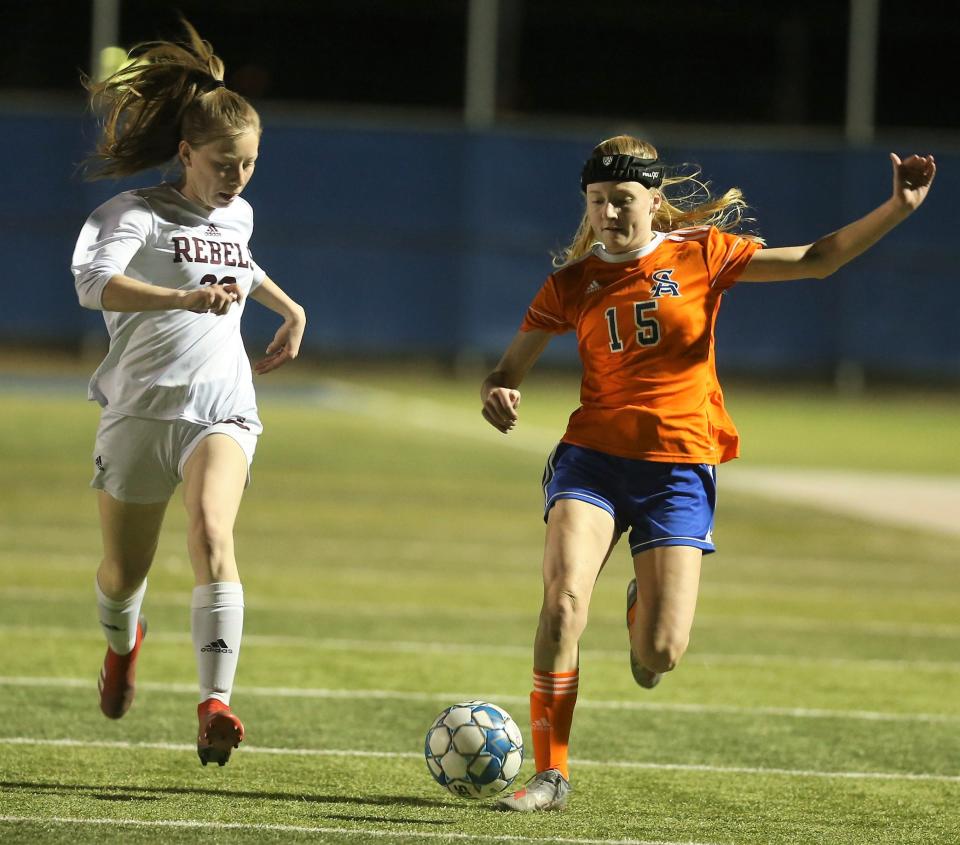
[661, 608]
[579, 540]
[214, 478]
[130, 534]
[580, 537]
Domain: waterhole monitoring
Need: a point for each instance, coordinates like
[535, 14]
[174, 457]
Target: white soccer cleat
[545, 791]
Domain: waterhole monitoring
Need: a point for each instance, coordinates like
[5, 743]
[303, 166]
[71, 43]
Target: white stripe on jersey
[726, 260]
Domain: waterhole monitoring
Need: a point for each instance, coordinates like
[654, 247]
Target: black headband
[207, 83]
[621, 168]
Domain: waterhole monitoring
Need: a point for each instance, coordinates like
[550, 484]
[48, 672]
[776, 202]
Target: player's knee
[564, 616]
[663, 652]
[121, 578]
[122, 584]
[211, 536]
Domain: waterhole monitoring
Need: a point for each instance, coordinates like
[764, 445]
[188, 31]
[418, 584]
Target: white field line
[587, 703]
[414, 755]
[380, 610]
[336, 831]
[421, 647]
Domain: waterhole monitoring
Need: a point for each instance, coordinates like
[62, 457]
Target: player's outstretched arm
[125, 294]
[285, 345]
[912, 179]
[499, 392]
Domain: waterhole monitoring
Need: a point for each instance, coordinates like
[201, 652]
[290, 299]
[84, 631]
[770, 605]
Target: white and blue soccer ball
[474, 749]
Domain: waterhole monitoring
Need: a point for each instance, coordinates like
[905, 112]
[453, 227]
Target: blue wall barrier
[433, 242]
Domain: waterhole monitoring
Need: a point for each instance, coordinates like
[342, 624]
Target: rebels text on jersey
[645, 332]
[170, 364]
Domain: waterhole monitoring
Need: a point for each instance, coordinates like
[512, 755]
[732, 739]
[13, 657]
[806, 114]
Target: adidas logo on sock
[542, 724]
[218, 646]
[110, 627]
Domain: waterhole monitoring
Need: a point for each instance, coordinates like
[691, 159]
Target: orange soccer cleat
[220, 732]
[116, 683]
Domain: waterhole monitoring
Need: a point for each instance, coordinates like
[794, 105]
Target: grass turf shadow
[153, 793]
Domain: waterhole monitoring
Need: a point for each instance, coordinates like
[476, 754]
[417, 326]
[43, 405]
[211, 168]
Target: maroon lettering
[201, 257]
[210, 279]
[181, 250]
[209, 252]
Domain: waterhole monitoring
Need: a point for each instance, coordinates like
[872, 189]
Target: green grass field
[390, 548]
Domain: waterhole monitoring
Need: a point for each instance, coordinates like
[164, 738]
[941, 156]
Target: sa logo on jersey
[663, 284]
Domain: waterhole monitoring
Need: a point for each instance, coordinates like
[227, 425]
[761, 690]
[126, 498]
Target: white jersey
[170, 364]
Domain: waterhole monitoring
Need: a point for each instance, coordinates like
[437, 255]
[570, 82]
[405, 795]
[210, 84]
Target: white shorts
[141, 460]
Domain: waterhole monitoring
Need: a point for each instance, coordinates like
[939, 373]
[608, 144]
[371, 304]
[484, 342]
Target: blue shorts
[663, 504]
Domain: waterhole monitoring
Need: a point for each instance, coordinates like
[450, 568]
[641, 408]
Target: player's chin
[614, 238]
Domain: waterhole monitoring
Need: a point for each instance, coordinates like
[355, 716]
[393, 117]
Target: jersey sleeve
[108, 241]
[727, 256]
[259, 274]
[547, 313]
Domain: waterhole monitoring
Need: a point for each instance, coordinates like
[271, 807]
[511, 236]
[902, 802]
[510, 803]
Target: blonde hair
[688, 203]
[167, 93]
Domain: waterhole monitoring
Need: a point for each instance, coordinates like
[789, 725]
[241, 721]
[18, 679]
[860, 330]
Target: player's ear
[183, 151]
[656, 198]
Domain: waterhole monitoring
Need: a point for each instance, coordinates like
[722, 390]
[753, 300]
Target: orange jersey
[644, 323]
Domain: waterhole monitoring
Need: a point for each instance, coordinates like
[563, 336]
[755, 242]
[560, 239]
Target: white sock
[119, 618]
[217, 625]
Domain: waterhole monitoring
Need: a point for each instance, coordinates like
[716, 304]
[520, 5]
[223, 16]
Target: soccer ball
[474, 749]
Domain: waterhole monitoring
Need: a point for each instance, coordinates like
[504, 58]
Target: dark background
[743, 62]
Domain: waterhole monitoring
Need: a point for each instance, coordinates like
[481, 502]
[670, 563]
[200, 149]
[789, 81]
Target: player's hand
[284, 347]
[912, 178]
[211, 299]
[500, 408]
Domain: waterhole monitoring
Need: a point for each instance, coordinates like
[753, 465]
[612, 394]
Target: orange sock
[551, 713]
